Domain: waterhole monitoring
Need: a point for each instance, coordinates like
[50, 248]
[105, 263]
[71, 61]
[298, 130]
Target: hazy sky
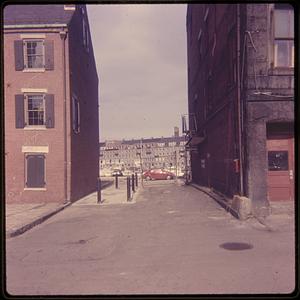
[140, 51]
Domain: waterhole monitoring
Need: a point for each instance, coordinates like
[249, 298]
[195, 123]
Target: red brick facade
[82, 159]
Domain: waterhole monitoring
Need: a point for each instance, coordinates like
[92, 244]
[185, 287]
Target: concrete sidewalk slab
[22, 217]
[281, 212]
[110, 196]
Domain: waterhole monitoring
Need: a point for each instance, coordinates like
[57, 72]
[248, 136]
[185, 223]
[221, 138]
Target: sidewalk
[111, 195]
[22, 217]
[281, 212]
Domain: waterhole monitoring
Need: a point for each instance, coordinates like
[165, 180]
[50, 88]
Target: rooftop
[25, 14]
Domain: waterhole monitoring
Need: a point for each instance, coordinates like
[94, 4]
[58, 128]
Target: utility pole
[141, 162]
[176, 167]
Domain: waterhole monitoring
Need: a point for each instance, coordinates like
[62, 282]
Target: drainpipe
[239, 104]
[63, 36]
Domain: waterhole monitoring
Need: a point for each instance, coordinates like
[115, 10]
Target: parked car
[117, 172]
[156, 174]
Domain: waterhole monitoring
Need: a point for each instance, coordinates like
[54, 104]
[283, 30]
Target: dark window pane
[281, 23]
[35, 171]
[278, 160]
[284, 53]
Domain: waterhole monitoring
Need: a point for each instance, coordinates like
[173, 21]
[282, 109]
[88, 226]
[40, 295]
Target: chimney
[176, 131]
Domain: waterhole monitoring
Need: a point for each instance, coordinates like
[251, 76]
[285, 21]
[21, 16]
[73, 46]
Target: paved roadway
[168, 242]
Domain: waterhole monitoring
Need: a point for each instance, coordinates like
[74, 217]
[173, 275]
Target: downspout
[63, 36]
[240, 112]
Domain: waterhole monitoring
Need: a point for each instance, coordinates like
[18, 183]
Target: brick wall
[212, 93]
[84, 84]
[16, 138]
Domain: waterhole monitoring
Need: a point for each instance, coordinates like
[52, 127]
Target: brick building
[143, 154]
[241, 99]
[51, 104]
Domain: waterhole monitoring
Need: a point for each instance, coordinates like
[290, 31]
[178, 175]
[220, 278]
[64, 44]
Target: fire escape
[192, 140]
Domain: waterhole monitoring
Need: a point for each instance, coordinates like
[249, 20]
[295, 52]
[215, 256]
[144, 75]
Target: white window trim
[35, 149]
[275, 47]
[26, 56]
[33, 188]
[33, 36]
[27, 126]
[30, 90]
[34, 70]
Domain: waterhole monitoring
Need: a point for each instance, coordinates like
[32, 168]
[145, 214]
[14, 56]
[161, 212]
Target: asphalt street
[171, 241]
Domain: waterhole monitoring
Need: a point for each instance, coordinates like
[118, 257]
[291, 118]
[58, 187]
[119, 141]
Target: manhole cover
[236, 246]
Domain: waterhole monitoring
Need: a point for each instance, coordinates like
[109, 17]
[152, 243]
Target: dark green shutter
[19, 109]
[35, 171]
[49, 55]
[49, 98]
[19, 55]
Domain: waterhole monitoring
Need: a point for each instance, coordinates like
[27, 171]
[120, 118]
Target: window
[76, 114]
[34, 110]
[85, 35]
[278, 160]
[34, 54]
[283, 35]
[35, 171]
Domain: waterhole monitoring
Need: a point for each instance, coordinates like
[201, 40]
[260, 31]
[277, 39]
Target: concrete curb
[218, 198]
[39, 220]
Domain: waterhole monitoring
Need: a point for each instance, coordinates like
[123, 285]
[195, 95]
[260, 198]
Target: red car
[155, 174]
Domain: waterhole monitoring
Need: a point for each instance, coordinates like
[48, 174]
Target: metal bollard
[128, 188]
[136, 180]
[117, 181]
[132, 179]
[99, 190]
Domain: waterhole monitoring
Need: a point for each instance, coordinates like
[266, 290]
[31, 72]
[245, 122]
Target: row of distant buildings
[138, 155]
[241, 99]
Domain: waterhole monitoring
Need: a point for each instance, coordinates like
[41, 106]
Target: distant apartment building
[143, 154]
[241, 99]
[51, 104]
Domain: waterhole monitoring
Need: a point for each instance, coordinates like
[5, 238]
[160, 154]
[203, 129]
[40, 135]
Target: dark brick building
[241, 99]
[51, 104]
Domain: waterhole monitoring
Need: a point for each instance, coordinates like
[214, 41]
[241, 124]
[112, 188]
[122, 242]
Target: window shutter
[49, 55]
[19, 55]
[35, 171]
[19, 109]
[49, 98]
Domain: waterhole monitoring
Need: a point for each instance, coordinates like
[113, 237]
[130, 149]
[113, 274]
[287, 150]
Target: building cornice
[18, 26]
